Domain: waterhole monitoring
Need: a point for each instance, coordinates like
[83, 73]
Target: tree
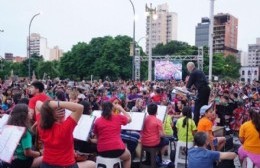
[175, 48]
[231, 67]
[49, 68]
[103, 56]
[74, 63]
[217, 66]
[5, 70]
[224, 67]
[19, 69]
[114, 60]
[35, 60]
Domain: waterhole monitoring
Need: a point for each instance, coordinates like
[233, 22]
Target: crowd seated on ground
[233, 105]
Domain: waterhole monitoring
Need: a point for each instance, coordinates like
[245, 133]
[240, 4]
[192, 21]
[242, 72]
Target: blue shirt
[202, 158]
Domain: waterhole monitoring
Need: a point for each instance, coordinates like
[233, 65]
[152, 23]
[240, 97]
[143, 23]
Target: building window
[249, 73]
[243, 72]
[255, 72]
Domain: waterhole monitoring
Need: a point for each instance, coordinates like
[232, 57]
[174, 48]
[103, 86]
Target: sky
[67, 22]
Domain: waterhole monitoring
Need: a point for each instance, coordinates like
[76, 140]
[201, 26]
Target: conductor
[199, 80]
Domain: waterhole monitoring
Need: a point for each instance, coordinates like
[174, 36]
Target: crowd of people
[40, 106]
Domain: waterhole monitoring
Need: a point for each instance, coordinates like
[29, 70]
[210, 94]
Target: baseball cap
[204, 108]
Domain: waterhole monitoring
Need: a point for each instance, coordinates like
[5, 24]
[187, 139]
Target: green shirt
[25, 143]
[168, 126]
[182, 131]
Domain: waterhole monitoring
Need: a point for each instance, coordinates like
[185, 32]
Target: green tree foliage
[102, 57]
[218, 64]
[109, 57]
[20, 69]
[224, 67]
[73, 63]
[49, 68]
[231, 67]
[175, 48]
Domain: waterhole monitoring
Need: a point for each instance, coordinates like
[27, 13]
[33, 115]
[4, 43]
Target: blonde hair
[138, 100]
[73, 95]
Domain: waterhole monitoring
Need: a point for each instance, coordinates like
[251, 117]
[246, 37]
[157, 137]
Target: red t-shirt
[58, 143]
[151, 131]
[108, 133]
[39, 97]
[157, 98]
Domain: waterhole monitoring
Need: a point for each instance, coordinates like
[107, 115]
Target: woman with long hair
[139, 105]
[182, 123]
[24, 156]
[57, 136]
[107, 128]
[249, 135]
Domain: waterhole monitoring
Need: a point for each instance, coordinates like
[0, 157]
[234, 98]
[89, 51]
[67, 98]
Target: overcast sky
[66, 22]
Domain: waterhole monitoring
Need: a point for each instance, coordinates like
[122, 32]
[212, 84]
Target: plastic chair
[181, 152]
[247, 163]
[103, 162]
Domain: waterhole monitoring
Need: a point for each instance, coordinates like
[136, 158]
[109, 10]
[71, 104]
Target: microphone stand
[189, 98]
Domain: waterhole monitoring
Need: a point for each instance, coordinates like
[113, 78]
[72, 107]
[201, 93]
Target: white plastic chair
[247, 163]
[103, 162]
[180, 153]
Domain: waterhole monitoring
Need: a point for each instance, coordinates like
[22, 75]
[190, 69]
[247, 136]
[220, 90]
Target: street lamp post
[150, 11]
[1, 30]
[211, 38]
[133, 66]
[1, 58]
[29, 48]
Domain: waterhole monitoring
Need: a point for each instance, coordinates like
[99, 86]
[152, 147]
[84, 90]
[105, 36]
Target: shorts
[242, 153]
[163, 142]
[215, 142]
[19, 163]
[112, 153]
[45, 165]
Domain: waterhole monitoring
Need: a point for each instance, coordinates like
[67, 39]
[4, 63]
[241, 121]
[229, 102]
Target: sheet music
[97, 113]
[67, 113]
[3, 121]
[82, 130]
[9, 139]
[182, 90]
[137, 121]
[161, 112]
